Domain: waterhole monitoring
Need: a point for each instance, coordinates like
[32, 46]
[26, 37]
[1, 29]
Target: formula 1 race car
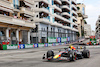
[67, 54]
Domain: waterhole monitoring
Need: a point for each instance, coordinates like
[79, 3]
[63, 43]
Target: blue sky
[92, 10]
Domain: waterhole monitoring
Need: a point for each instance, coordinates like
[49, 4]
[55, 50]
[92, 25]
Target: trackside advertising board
[49, 44]
[41, 44]
[58, 39]
[35, 45]
[29, 45]
[46, 45]
[4, 47]
[63, 39]
[15, 46]
[21, 46]
[51, 39]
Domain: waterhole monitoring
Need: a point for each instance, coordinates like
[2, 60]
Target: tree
[78, 8]
[85, 22]
[78, 34]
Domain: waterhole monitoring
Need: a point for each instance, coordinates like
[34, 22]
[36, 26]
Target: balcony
[65, 6]
[74, 12]
[56, 24]
[16, 21]
[74, 18]
[42, 20]
[45, 1]
[62, 18]
[74, 7]
[66, 1]
[74, 1]
[58, 1]
[42, 10]
[6, 6]
[27, 11]
[67, 27]
[66, 13]
[75, 29]
[58, 16]
[29, 1]
[58, 8]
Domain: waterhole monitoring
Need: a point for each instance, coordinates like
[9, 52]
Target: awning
[5, 9]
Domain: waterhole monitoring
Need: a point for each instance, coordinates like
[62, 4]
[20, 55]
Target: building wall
[15, 18]
[80, 19]
[87, 30]
[53, 21]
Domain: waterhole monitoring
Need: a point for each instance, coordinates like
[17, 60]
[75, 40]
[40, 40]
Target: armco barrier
[21, 46]
[35, 45]
[29, 45]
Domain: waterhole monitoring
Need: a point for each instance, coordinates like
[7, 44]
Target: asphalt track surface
[33, 58]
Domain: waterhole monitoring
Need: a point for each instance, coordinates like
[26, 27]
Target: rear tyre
[86, 53]
[50, 53]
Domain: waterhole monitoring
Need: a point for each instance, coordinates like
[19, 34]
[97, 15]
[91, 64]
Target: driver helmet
[70, 46]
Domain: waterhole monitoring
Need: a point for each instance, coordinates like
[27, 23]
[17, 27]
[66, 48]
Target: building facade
[87, 30]
[97, 33]
[92, 33]
[16, 21]
[54, 18]
[81, 18]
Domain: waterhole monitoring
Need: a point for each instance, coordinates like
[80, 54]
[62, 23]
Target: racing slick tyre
[73, 57]
[86, 53]
[50, 53]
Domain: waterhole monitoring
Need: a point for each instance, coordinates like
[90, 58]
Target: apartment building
[87, 30]
[16, 20]
[81, 18]
[97, 33]
[54, 18]
[92, 33]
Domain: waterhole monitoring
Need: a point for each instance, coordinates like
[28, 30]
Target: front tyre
[86, 53]
[50, 53]
[73, 57]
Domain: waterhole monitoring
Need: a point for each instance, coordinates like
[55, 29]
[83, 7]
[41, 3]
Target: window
[83, 10]
[36, 29]
[2, 33]
[13, 34]
[16, 4]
